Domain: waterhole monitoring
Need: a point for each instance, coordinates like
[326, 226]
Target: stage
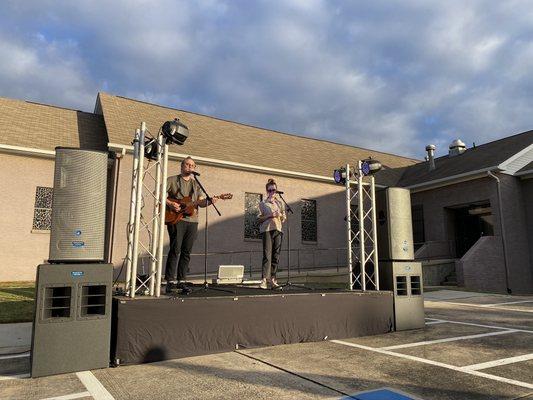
[147, 329]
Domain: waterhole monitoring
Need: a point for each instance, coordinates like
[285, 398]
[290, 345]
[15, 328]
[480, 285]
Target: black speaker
[78, 206]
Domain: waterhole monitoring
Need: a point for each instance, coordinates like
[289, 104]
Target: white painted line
[497, 363]
[437, 364]
[483, 306]
[451, 339]
[18, 376]
[487, 326]
[9, 356]
[69, 396]
[94, 386]
[507, 302]
[435, 322]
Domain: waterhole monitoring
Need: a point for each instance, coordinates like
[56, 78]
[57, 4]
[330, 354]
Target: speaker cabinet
[72, 324]
[79, 206]
[404, 279]
[395, 227]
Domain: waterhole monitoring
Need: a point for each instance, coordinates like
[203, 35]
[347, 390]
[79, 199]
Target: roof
[235, 142]
[528, 167]
[477, 158]
[40, 126]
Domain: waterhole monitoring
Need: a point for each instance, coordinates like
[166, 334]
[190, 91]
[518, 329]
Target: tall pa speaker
[78, 206]
[395, 228]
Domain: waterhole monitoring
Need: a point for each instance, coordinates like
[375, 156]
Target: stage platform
[147, 329]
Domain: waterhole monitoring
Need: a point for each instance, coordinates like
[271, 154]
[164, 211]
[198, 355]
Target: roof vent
[430, 148]
[457, 147]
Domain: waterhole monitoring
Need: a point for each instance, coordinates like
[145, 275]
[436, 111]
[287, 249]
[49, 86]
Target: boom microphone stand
[289, 284]
[205, 287]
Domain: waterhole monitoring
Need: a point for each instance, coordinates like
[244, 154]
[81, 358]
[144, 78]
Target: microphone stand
[289, 284]
[205, 287]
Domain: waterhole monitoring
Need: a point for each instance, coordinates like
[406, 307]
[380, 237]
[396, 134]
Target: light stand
[289, 284]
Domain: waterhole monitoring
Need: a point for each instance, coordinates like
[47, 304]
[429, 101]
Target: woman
[272, 215]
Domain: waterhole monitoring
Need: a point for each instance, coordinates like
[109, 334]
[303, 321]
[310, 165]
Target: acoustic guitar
[188, 208]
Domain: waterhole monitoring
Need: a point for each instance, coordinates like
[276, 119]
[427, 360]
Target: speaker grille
[79, 206]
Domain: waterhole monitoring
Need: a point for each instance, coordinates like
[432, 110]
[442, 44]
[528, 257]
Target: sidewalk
[15, 338]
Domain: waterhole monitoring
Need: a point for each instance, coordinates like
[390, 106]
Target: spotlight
[340, 175]
[370, 166]
[151, 148]
[175, 132]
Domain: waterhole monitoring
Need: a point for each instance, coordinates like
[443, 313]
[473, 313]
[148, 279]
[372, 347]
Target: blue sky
[388, 75]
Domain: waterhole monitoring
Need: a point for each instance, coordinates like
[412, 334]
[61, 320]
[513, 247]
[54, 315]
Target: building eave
[451, 180]
[26, 151]
[234, 165]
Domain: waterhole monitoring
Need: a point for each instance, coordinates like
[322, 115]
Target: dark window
[309, 226]
[251, 212]
[419, 235]
[42, 215]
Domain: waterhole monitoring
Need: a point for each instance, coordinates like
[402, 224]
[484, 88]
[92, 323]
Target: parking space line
[483, 306]
[69, 396]
[497, 363]
[507, 302]
[17, 376]
[9, 356]
[486, 326]
[451, 339]
[94, 386]
[437, 364]
[435, 322]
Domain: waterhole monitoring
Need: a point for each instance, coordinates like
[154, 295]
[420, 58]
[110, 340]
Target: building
[456, 206]
[231, 157]
[473, 214]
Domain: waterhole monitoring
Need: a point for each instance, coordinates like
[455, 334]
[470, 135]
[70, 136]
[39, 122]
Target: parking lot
[474, 346]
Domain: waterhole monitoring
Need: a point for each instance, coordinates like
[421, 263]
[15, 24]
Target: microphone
[195, 173]
[279, 192]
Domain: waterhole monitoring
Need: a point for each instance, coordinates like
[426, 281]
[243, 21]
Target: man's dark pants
[271, 252]
[182, 236]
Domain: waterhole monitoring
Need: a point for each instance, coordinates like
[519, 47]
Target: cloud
[389, 75]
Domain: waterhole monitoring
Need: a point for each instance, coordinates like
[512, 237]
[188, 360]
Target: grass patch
[16, 302]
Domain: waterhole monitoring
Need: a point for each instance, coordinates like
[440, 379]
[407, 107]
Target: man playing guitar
[182, 233]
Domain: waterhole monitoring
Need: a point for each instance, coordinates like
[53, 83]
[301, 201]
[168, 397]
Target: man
[183, 233]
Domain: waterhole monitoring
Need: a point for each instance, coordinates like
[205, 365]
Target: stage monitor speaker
[230, 274]
[395, 227]
[78, 206]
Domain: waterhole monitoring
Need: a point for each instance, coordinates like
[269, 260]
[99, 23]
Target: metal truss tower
[361, 230]
[146, 228]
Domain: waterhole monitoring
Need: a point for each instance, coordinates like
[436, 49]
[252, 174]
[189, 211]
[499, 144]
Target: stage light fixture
[370, 166]
[340, 176]
[151, 148]
[175, 132]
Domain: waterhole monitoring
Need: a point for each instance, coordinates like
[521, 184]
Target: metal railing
[301, 260]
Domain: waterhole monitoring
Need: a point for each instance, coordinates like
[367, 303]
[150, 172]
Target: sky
[387, 75]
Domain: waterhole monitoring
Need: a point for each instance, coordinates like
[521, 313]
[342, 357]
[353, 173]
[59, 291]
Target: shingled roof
[39, 126]
[474, 159]
[231, 141]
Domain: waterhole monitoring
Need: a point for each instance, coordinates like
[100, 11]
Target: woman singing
[272, 215]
